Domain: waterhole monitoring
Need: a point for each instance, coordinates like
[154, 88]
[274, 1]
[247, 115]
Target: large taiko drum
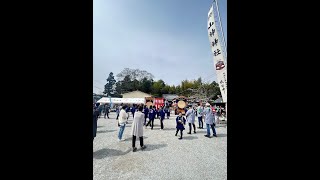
[181, 104]
[149, 104]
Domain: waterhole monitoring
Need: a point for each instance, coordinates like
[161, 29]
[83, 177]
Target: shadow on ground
[201, 131]
[137, 138]
[102, 153]
[170, 129]
[151, 147]
[105, 131]
[189, 137]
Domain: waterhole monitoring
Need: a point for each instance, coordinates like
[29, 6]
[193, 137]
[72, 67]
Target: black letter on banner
[215, 42]
[212, 32]
[216, 53]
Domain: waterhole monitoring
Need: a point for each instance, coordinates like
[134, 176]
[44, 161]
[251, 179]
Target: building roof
[219, 100]
[169, 97]
[136, 94]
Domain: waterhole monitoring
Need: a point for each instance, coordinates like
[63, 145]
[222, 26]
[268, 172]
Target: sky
[167, 38]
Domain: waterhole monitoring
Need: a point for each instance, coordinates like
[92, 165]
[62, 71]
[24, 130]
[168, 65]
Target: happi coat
[190, 116]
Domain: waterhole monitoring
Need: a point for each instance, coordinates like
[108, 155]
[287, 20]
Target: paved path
[165, 158]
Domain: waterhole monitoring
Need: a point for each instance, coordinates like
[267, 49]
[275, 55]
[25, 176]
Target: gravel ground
[166, 157]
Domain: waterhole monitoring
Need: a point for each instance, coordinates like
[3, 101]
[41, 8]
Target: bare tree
[134, 74]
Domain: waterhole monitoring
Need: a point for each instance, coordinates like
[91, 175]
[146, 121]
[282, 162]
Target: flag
[218, 57]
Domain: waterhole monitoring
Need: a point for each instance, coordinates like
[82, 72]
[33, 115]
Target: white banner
[122, 100]
[218, 58]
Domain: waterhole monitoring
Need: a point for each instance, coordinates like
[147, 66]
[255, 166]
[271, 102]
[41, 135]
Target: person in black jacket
[181, 121]
[152, 115]
[133, 110]
[162, 115]
[127, 111]
[106, 111]
[95, 119]
[168, 112]
[145, 112]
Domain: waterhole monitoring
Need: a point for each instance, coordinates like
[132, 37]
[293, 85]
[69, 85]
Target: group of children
[152, 112]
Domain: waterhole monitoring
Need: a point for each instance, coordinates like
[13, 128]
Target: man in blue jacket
[127, 111]
[162, 115]
[145, 112]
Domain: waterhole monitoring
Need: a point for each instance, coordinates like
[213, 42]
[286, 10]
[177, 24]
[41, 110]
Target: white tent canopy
[122, 100]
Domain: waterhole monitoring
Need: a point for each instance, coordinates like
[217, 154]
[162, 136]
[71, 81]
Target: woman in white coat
[191, 118]
[137, 128]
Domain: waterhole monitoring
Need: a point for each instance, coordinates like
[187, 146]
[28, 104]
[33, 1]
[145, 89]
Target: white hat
[207, 104]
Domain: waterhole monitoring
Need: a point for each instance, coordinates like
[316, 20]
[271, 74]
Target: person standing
[106, 111]
[103, 108]
[122, 122]
[180, 120]
[137, 129]
[200, 112]
[166, 103]
[222, 115]
[214, 112]
[133, 110]
[162, 115]
[127, 111]
[156, 112]
[145, 112]
[195, 111]
[168, 112]
[95, 123]
[100, 108]
[151, 117]
[118, 111]
[191, 118]
[218, 113]
[209, 120]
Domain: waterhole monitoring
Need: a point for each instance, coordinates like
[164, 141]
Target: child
[180, 124]
[151, 117]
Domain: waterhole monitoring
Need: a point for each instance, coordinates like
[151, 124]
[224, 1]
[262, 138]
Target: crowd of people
[206, 114]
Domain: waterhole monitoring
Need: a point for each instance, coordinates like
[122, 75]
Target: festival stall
[158, 102]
